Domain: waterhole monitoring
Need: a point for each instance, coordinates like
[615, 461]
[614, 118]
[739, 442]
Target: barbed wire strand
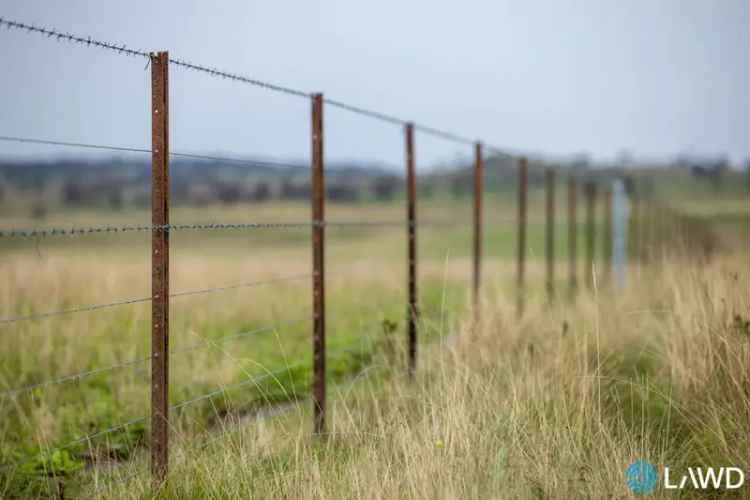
[82, 231]
[95, 307]
[59, 35]
[205, 343]
[215, 72]
[91, 230]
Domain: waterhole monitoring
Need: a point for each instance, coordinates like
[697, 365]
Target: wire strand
[85, 231]
[95, 307]
[50, 142]
[177, 154]
[77, 377]
[123, 49]
[223, 389]
[82, 231]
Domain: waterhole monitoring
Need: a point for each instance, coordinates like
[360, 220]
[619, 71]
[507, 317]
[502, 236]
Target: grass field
[552, 406]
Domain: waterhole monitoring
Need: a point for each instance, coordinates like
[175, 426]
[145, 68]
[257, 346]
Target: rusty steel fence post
[412, 313]
[607, 239]
[549, 182]
[478, 178]
[318, 264]
[590, 233]
[572, 235]
[159, 266]
[523, 186]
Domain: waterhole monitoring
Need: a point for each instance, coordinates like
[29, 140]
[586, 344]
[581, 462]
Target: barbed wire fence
[161, 228]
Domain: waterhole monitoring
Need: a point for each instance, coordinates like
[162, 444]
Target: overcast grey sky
[656, 77]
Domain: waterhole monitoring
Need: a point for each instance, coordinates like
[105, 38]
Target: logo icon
[641, 477]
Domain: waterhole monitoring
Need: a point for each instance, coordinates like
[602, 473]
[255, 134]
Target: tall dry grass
[554, 405]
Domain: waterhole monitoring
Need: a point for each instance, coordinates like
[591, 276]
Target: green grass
[366, 295]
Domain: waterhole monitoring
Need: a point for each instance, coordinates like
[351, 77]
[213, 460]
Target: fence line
[161, 228]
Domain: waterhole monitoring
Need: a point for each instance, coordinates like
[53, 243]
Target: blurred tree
[385, 187]
[262, 192]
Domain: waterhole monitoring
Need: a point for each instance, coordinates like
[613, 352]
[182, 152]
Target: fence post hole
[159, 266]
[411, 214]
[607, 238]
[523, 185]
[318, 246]
[549, 177]
[478, 167]
[572, 234]
[590, 233]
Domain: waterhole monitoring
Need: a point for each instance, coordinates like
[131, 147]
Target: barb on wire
[147, 299]
[82, 231]
[77, 377]
[59, 35]
[234, 77]
[239, 78]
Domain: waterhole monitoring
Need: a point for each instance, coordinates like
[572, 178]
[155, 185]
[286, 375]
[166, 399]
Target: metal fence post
[411, 216]
[478, 174]
[523, 185]
[573, 234]
[590, 233]
[607, 238]
[318, 246]
[549, 177]
[159, 266]
[620, 230]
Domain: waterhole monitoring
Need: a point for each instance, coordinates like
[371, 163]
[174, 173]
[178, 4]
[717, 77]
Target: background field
[566, 396]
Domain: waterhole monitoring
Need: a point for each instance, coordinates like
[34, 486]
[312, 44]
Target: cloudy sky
[655, 77]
